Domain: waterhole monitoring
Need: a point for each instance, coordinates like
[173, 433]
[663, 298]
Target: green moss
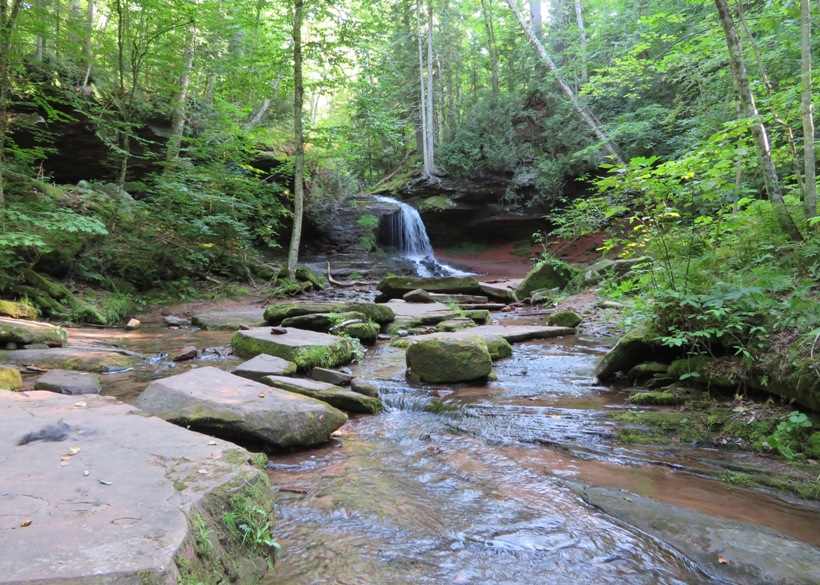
[340, 352]
[655, 398]
[436, 203]
[10, 379]
[275, 314]
[564, 319]
[546, 275]
[401, 342]
[17, 310]
[498, 347]
[812, 446]
[480, 316]
[367, 333]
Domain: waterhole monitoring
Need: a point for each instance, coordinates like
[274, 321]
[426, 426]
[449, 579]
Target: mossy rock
[480, 316]
[10, 379]
[435, 203]
[456, 324]
[792, 378]
[708, 372]
[307, 349]
[17, 310]
[306, 274]
[545, 275]
[322, 321]
[395, 287]
[367, 332]
[498, 347]
[565, 319]
[637, 346]
[655, 398]
[50, 287]
[446, 360]
[275, 314]
[24, 332]
[647, 370]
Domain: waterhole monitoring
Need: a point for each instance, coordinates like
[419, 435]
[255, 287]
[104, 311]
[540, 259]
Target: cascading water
[406, 232]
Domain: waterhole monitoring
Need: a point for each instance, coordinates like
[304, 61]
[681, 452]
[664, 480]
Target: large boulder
[307, 349]
[545, 275]
[234, 408]
[337, 396]
[449, 359]
[275, 314]
[24, 332]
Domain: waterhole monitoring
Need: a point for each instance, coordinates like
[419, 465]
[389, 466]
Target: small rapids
[441, 489]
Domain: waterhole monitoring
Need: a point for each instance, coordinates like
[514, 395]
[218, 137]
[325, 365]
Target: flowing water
[405, 231]
[474, 484]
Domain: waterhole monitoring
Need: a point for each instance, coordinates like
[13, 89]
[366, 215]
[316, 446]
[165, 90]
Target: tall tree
[585, 115]
[810, 184]
[8, 20]
[299, 138]
[740, 79]
[582, 36]
[178, 114]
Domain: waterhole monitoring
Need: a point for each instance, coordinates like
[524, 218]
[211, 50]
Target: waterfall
[407, 234]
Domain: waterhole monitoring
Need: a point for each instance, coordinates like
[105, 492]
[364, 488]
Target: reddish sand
[515, 259]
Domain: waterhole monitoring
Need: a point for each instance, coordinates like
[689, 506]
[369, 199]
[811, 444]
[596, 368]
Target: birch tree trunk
[585, 115]
[535, 17]
[8, 19]
[425, 147]
[259, 113]
[178, 116]
[431, 126]
[87, 40]
[298, 132]
[740, 78]
[579, 18]
[810, 202]
[486, 9]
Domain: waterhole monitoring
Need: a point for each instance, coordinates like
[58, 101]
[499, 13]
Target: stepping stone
[68, 382]
[86, 360]
[307, 349]
[333, 395]
[229, 319]
[235, 408]
[334, 377]
[265, 365]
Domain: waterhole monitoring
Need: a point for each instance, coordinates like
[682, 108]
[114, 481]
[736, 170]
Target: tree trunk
[535, 17]
[425, 147]
[298, 132]
[259, 113]
[87, 40]
[486, 9]
[810, 202]
[579, 17]
[431, 127]
[585, 115]
[8, 19]
[749, 110]
[178, 116]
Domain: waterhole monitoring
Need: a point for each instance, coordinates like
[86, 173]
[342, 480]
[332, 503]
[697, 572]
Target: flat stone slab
[66, 358]
[307, 349]
[111, 503]
[235, 408]
[229, 319]
[264, 365]
[512, 333]
[425, 313]
[750, 554]
[334, 377]
[69, 382]
[334, 395]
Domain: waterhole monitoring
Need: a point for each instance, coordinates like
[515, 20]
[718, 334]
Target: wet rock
[336, 396]
[334, 377]
[25, 332]
[637, 346]
[36, 346]
[265, 365]
[647, 370]
[395, 287]
[544, 276]
[235, 408]
[480, 316]
[10, 379]
[418, 296]
[364, 387]
[728, 550]
[307, 349]
[275, 314]
[17, 310]
[173, 321]
[189, 352]
[447, 360]
[11, 345]
[69, 382]
[455, 324]
[322, 322]
[87, 360]
[229, 319]
[128, 519]
[565, 319]
[366, 333]
[132, 324]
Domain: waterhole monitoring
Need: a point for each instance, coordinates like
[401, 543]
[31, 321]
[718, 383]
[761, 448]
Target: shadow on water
[475, 484]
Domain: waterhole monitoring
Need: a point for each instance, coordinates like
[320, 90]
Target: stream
[475, 484]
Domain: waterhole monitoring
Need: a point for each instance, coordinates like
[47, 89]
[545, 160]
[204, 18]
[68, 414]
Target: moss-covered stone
[10, 379]
[306, 274]
[455, 324]
[322, 321]
[441, 360]
[395, 287]
[546, 275]
[498, 347]
[51, 287]
[655, 398]
[647, 370]
[480, 316]
[366, 332]
[565, 319]
[435, 203]
[17, 310]
[335, 396]
[639, 345]
[275, 314]
[307, 349]
[725, 373]
[31, 332]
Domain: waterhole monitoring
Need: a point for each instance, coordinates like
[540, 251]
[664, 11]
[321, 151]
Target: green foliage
[369, 224]
[790, 435]
[250, 524]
